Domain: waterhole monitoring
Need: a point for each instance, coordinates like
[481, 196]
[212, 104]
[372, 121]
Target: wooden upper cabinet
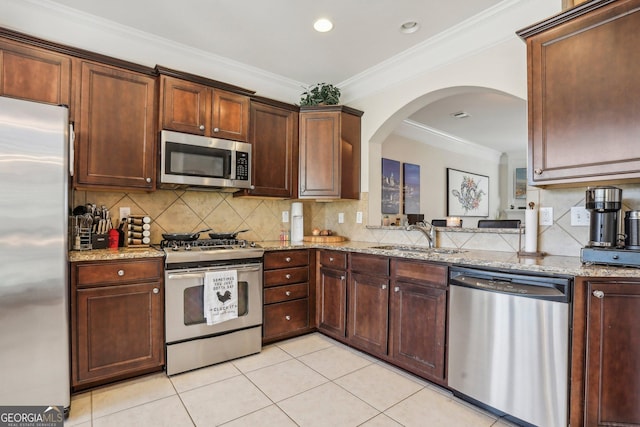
[202, 110]
[584, 120]
[184, 105]
[34, 74]
[274, 140]
[115, 133]
[329, 152]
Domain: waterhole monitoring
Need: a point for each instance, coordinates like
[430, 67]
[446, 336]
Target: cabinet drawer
[334, 259]
[370, 264]
[286, 293]
[285, 317]
[282, 259]
[419, 271]
[118, 272]
[286, 276]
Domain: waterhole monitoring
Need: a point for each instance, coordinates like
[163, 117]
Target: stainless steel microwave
[194, 161]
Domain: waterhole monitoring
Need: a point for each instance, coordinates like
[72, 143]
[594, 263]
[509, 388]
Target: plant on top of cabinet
[321, 94]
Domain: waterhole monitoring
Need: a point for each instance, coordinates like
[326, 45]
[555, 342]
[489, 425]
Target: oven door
[184, 303]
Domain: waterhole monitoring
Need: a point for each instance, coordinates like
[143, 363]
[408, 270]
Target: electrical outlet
[546, 216]
[125, 212]
[358, 217]
[580, 216]
[285, 216]
[341, 218]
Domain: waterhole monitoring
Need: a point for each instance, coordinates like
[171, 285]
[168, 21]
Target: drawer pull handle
[384, 286]
[287, 317]
[287, 276]
[288, 293]
[396, 289]
[120, 273]
[330, 259]
[156, 290]
[598, 294]
[288, 259]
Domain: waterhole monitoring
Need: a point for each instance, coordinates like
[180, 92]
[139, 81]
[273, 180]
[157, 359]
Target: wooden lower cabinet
[286, 294]
[609, 336]
[332, 293]
[117, 320]
[418, 310]
[368, 311]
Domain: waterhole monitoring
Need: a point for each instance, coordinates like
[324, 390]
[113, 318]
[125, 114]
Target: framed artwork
[390, 186]
[467, 194]
[520, 183]
[410, 188]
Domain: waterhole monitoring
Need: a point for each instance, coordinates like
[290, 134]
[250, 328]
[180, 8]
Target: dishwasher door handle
[508, 287]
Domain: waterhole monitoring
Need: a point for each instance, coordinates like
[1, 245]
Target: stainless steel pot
[632, 230]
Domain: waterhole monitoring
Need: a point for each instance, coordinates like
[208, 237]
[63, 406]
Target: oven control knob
[187, 248]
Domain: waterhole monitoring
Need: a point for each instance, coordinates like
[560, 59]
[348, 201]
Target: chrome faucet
[429, 233]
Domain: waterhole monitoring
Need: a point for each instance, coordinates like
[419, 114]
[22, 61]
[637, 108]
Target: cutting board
[324, 239]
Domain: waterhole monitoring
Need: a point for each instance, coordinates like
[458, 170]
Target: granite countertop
[551, 264]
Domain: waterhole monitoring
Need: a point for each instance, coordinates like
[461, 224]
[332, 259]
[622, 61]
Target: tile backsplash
[190, 211]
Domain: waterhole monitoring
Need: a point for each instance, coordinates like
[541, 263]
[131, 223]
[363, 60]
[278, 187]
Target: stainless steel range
[213, 301]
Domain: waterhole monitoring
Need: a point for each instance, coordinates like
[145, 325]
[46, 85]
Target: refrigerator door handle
[72, 138]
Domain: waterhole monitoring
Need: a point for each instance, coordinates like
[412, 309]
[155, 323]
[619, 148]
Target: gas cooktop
[209, 250]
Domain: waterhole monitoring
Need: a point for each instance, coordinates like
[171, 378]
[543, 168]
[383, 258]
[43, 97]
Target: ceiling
[277, 36]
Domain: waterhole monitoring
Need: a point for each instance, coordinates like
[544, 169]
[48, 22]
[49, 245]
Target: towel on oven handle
[220, 296]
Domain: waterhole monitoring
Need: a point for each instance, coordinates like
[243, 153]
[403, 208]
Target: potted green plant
[320, 94]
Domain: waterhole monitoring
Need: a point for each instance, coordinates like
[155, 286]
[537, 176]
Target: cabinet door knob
[288, 293]
[148, 179]
[287, 276]
[156, 290]
[342, 277]
[201, 127]
[384, 286]
[396, 289]
[598, 294]
[287, 317]
[216, 129]
[288, 259]
[538, 171]
[120, 273]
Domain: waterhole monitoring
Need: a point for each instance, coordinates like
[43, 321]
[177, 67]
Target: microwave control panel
[242, 165]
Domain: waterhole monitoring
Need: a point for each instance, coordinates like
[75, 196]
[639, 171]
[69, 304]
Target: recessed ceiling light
[409, 27]
[460, 115]
[323, 25]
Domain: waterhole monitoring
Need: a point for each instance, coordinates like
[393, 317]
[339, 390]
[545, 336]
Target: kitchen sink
[423, 249]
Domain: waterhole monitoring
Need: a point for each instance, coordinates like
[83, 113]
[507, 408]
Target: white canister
[297, 222]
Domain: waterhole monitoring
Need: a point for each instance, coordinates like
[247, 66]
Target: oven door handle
[200, 275]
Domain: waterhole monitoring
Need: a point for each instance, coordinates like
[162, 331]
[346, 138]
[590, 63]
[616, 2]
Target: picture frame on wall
[410, 188]
[520, 183]
[467, 194]
[390, 200]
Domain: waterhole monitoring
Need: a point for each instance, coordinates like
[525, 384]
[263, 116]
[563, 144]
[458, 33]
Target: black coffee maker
[604, 203]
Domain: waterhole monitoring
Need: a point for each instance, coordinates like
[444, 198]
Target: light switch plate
[358, 217]
[341, 218]
[285, 216]
[546, 216]
[580, 216]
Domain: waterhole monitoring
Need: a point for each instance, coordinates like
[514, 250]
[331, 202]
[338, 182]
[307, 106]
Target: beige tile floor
[306, 381]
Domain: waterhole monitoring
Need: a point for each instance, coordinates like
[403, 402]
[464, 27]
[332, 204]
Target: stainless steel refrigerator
[34, 308]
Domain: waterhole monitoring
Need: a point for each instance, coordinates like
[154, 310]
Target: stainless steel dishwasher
[509, 343]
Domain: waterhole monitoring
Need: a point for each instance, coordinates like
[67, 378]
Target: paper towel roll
[531, 230]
